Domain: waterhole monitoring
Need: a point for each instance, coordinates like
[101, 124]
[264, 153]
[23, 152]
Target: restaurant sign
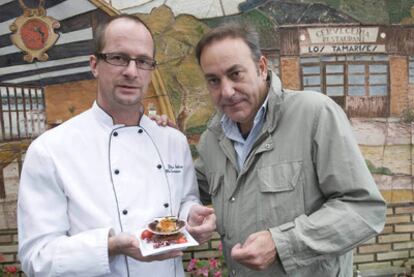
[341, 40]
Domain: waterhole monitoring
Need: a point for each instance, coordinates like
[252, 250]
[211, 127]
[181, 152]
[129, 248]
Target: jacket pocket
[281, 193]
[216, 190]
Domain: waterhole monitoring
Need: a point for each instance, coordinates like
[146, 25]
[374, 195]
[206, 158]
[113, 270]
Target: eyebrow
[229, 70]
[124, 54]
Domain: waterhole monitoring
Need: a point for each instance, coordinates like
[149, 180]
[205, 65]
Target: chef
[89, 185]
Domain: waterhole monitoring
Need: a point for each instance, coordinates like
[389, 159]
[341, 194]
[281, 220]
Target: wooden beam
[106, 7]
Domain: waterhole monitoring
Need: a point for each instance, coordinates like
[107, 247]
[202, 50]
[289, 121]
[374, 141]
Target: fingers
[250, 239]
[202, 227]
[245, 256]
[198, 214]
[201, 210]
[206, 211]
[238, 252]
[171, 123]
[258, 252]
[165, 256]
[161, 120]
[204, 232]
[208, 225]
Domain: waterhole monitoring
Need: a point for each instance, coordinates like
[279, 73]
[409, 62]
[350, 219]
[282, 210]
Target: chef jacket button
[116, 171]
[159, 166]
[140, 131]
[232, 199]
[166, 205]
[115, 134]
[125, 212]
[267, 145]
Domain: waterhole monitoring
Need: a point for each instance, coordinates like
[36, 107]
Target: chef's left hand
[201, 223]
[258, 252]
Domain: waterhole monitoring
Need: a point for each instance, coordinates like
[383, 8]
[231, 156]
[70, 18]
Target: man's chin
[129, 101]
[239, 118]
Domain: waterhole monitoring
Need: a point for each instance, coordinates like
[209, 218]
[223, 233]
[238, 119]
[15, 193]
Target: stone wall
[387, 145]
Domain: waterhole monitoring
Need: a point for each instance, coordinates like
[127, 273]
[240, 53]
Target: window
[311, 74]
[359, 84]
[22, 112]
[334, 79]
[411, 69]
[347, 75]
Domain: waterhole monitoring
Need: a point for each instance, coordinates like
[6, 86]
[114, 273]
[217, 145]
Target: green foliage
[366, 11]
[196, 130]
[398, 9]
[378, 170]
[211, 267]
[200, 30]
[194, 152]
[407, 115]
[334, 3]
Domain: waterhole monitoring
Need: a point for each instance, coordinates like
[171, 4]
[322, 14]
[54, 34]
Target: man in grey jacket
[290, 188]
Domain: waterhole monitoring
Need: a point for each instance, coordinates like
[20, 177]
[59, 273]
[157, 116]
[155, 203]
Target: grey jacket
[305, 180]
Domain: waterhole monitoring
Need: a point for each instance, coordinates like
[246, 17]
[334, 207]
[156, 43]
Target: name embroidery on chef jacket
[174, 168]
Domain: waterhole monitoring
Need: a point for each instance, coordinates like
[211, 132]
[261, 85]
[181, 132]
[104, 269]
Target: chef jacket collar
[103, 117]
[106, 119]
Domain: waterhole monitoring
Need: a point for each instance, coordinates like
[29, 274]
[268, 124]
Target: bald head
[100, 32]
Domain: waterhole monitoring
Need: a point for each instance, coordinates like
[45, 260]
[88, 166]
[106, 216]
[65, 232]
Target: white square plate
[147, 248]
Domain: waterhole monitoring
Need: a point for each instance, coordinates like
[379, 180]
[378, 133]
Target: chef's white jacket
[87, 178]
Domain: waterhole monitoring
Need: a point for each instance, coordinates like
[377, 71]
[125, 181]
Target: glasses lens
[123, 60]
[117, 59]
[145, 63]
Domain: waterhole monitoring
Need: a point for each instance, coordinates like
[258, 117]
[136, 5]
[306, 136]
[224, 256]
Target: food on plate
[166, 225]
[158, 241]
[146, 234]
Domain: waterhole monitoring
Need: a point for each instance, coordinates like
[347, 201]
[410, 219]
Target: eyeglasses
[120, 59]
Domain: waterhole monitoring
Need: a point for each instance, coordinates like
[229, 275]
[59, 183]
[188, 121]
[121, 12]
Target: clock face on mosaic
[34, 33]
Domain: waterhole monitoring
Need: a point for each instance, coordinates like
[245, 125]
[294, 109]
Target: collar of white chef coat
[104, 117]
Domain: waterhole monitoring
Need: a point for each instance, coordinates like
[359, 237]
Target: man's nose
[227, 89]
[131, 70]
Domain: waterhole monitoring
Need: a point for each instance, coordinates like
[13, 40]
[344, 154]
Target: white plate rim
[145, 246]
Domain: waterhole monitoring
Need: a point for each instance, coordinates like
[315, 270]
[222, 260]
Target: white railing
[22, 113]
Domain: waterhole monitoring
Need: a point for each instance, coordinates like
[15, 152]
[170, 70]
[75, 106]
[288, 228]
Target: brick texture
[398, 84]
[393, 247]
[374, 248]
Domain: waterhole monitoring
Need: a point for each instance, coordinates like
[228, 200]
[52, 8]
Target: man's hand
[126, 244]
[162, 120]
[201, 223]
[258, 252]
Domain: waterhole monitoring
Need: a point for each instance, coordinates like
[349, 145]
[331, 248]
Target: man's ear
[263, 67]
[93, 63]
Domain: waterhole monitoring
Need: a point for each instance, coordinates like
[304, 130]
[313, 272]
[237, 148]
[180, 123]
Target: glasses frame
[106, 57]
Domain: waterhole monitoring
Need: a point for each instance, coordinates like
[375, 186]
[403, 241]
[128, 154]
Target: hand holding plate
[126, 244]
